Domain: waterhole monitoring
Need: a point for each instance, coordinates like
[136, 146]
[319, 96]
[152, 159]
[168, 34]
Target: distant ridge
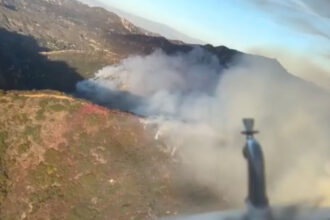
[155, 27]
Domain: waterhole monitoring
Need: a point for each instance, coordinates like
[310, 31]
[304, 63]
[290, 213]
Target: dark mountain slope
[23, 67]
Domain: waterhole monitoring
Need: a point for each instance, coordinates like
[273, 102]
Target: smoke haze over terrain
[198, 105]
[299, 65]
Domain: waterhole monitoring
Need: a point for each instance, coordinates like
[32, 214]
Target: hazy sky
[277, 28]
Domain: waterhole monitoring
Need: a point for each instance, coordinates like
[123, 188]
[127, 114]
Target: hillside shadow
[22, 67]
[112, 99]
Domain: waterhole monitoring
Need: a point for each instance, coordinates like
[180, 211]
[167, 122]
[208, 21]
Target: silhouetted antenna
[249, 124]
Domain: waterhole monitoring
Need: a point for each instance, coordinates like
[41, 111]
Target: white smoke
[198, 105]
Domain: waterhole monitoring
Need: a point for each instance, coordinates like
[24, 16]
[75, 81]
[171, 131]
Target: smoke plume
[197, 106]
[299, 65]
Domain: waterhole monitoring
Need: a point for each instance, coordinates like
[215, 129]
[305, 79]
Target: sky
[296, 32]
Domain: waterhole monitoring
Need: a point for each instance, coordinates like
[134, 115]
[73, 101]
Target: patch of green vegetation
[41, 112]
[19, 98]
[90, 183]
[93, 120]
[41, 115]
[84, 142]
[21, 118]
[43, 103]
[24, 118]
[74, 107]
[4, 101]
[24, 147]
[3, 146]
[33, 132]
[46, 105]
[3, 187]
[3, 176]
[83, 211]
[40, 197]
[53, 156]
[45, 175]
[57, 107]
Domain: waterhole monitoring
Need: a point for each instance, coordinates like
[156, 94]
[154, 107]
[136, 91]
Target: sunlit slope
[63, 158]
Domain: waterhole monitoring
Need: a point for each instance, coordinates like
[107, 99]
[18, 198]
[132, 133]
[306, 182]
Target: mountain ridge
[157, 28]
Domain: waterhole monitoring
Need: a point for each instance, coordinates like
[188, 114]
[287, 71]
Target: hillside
[64, 158]
[54, 44]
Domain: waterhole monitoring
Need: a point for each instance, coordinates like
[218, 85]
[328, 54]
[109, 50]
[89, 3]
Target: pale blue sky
[301, 27]
[236, 23]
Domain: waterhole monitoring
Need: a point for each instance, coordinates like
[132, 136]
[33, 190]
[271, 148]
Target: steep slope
[65, 158]
[68, 159]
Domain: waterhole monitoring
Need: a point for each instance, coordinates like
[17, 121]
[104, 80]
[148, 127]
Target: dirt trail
[61, 51]
[43, 95]
[56, 52]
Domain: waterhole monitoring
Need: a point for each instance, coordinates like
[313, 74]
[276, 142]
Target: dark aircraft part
[257, 202]
[252, 152]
